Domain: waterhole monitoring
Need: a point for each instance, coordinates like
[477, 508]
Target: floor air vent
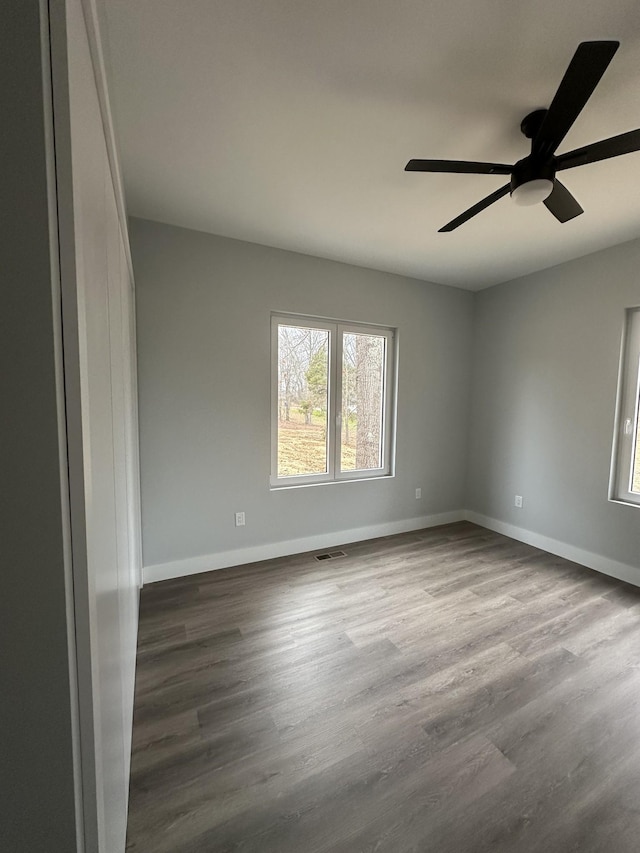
[330, 555]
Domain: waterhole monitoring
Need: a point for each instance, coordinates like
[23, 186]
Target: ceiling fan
[533, 179]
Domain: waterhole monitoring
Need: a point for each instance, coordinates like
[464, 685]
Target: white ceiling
[289, 123]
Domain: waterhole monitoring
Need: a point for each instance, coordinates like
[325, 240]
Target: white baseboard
[613, 568]
[253, 554]
[240, 556]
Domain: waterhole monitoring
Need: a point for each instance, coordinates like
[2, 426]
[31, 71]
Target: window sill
[624, 502]
[288, 486]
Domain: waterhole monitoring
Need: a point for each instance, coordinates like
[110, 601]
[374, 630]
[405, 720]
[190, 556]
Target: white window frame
[336, 329]
[628, 412]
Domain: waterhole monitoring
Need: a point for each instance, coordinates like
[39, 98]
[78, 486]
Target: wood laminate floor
[444, 691]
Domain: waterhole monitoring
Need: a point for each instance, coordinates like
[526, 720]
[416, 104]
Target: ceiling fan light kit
[533, 179]
[532, 192]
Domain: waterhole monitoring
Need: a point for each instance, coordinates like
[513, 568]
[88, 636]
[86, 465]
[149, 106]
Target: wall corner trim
[255, 553]
[597, 562]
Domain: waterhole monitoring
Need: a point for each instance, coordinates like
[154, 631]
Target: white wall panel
[102, 402]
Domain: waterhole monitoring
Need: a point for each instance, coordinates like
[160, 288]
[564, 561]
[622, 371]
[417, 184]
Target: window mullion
[332, 442]
[337, 419]
[386, 406]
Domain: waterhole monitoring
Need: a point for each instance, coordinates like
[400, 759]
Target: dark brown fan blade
[585, 70]
[459, 220]
[465, 167]
[562, 204]
[626, 143]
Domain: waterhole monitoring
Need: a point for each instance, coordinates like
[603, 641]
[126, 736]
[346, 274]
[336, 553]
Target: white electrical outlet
[239, 519]
[418, 494]
[518, 501]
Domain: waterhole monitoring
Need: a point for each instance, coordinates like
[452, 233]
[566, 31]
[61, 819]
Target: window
[627, 468]
[332, 401]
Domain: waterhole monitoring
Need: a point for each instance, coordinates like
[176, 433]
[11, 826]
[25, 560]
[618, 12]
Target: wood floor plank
[442, 691]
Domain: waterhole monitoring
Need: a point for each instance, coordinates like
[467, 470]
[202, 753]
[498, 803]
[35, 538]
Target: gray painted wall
[546, 359]
[36, 768]
[203, 306]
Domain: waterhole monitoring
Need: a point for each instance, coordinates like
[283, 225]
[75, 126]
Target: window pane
[303, 393]
[363, 368]
[635, 480]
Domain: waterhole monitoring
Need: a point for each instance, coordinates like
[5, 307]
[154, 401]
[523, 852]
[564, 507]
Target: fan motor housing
[530, 169]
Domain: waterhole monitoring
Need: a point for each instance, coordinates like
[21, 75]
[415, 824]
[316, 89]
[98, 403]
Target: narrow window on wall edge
[332, 400]
[626, 481]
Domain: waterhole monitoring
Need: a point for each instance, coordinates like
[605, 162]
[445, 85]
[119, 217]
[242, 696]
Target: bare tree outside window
[363, 371]
[303, 381]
